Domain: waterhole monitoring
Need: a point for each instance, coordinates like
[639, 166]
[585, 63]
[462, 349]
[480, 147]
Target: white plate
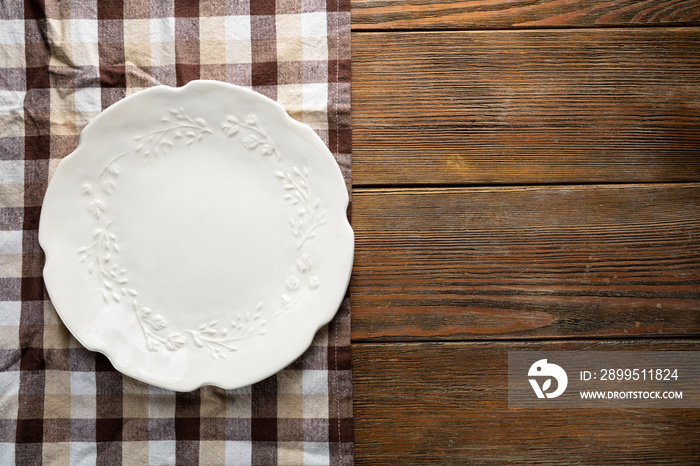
[197, 236]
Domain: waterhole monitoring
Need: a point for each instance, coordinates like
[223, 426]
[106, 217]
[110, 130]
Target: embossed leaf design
[158, 322]
[152, 344]
[161, 139]
[304, 262]
[153, 328]
[216, 339]
[96, 208]
[313, 282]
[108, 187]
[251, 142]
[293, 224]
[230, 129]
[256, 136]
[299, 192]
[292, 283]
[174, 341]
[197, 342]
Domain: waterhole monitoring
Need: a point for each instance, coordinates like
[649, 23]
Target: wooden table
[525, 177]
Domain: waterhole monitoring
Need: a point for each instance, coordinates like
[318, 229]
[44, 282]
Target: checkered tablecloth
[61, 63]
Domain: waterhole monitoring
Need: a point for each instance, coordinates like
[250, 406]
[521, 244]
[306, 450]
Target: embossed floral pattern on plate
[102, 254]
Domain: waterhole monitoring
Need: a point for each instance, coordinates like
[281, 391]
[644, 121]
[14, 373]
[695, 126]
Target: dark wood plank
[432, 403]
[498, 14]
[526, 262]
[514, 107]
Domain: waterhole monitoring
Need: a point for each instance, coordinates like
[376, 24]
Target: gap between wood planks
[564, 338]
[506, 29]
[374, 187]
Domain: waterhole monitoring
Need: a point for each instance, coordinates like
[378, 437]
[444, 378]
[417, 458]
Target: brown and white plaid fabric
[61, 63]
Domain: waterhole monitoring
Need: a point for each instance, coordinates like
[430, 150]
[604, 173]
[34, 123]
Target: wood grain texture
[526, 262]
[498, 14]
[526, 107]
[446, 403]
